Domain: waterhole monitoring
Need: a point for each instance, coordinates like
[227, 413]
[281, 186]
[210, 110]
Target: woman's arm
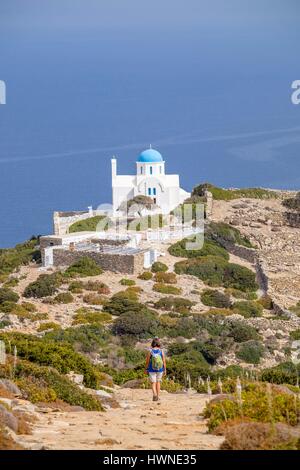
[147, 362]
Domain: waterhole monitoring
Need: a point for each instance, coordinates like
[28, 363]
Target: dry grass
[245, 435]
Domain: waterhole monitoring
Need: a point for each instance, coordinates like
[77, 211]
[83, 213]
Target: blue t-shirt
[155, 351]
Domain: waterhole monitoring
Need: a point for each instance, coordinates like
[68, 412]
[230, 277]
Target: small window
[149, 191]
[154, 191]
[151, 170]
[160, 169]
[141, 170]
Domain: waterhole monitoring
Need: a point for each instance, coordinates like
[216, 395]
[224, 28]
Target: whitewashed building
[150, 180]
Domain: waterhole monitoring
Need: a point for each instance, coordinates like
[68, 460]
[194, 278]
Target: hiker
[155, 367]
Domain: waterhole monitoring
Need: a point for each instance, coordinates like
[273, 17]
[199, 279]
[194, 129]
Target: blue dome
[150, 156]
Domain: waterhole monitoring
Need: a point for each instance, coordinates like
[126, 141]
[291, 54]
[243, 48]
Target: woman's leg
[154, 389]
[157, 388]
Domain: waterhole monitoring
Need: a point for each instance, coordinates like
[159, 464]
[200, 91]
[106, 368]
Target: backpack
[156, 360]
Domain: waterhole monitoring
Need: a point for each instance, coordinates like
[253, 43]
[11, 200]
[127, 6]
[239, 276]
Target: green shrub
[209, 351]
[266, 302]
[25, 310]
[45, 286]
[63, 388]
[64, 298]
[121, 304]
[127, 282]
[292, 202]
[295, 335]
[97, 286]
[89, 225]
[229, 194]
[247, 309]
[209, 269]
[11, 282]
[295, 309]
[227, 233]
[250, 351]
[4, 323]
[257, 405]
[48, 326]
[166, 289]
[86, 338]
[284, 373]
[82, 268]
[145, 276]
[93, 299]
[141, 324]
[166, 278]
[44, 352]
[242, 332]
[7, 295]
[177, 304]
[36, 390]
[215, 298]
[157, 266]
[210, 248]
[76, 287]
[238, 294]
[22, 254]
[90, 316]
[218, 311]
[239, 277]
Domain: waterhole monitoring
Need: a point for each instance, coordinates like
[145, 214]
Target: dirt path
[172, 423]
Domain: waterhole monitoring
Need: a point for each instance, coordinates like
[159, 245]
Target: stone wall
[209, 204]
[261, 276]
[63, 220]
[125, 263]
[249, 254]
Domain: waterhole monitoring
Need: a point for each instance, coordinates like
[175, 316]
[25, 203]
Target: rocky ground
[138, 423]
[278, 244]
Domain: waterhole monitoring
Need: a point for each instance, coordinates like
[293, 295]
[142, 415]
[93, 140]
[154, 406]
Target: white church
[150, 180]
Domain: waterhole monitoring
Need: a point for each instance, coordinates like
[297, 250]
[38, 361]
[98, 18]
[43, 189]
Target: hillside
[228, 319]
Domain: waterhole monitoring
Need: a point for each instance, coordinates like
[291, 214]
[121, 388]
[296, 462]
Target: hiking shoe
[155, 398]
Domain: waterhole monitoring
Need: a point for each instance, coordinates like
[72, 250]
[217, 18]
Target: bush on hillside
[127, 282]
[284, 373]
[63, 388]
[176, 304]
[96, 286]
[64, 298]
[242, 332]
[210, 248]
[84, 267]
[145, 276]
[48, 326]
[84, 315]
[118, 305]
[158, 266]
[229, 194]
[238, 294]
[8, 295]
[76, 287]
[22, 254]
[247, 309]
[215, 298]
[216, 271]
[166, 289]
[93, 299]
[266, 302]
[255, 406]
[60, 356]
[227, 233]
[292, 202]
[86, 338]
[250, 351]
[46, 285]
[166, 278]
[141, 324]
